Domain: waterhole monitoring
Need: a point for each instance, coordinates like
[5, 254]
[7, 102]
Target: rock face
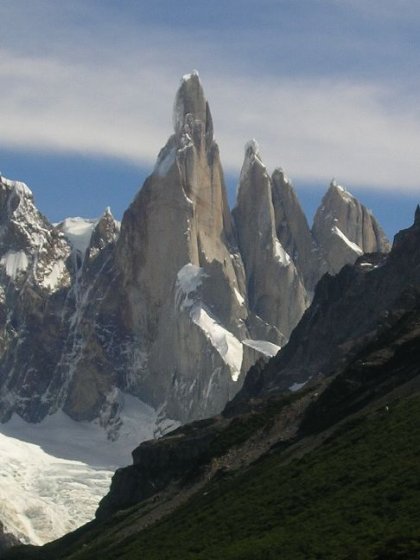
[344, 229]
[349, 311]
[275, 290]
[44, 271]
[35, 272]
[175, 305]
[293, 232]
[181, 272]
[6, 540]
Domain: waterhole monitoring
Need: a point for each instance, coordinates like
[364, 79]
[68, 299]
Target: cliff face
[344, 229]
[158, 311]
[356, 424]
[181, 272]
[348, 311]
[35, 272]
[179, 303]
[374, 353]
[293, 232]
[275, 290]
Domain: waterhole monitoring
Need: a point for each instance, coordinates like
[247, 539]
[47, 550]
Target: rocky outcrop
[275, 291]
[176, 458]
[173, 483]
[348, 311]
[293, 231]
[344, 229]
[181, 273]
[35, 273]
[7, 540]
[46, 275]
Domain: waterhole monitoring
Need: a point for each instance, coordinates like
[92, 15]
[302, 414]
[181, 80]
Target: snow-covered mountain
[167, 311]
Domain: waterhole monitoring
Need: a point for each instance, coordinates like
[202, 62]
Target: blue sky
[329, 88]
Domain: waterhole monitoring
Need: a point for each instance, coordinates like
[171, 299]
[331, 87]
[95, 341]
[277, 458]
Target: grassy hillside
[355, 497]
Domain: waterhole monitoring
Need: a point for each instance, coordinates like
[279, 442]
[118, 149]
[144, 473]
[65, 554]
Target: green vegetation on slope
[356, 497]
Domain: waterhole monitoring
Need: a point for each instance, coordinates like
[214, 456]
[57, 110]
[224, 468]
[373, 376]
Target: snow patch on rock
[239, 297]
[252, 156]
[280, 254]
[353, 246]
[226, 344]
[20, 188]
[345, 194]
[14, 262]
[297, 386]
[263, 346]
[78, 231]
[188, 280]
[53, 279]
[187, 77]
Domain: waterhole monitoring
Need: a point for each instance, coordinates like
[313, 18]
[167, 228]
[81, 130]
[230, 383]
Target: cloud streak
[110, 97]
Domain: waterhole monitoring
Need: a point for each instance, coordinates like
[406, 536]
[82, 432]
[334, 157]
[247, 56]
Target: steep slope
[337, 471]
[293, 231]
[44, 272]
[172, 309]
[348, 310]
[35, 273]
[341, 497]
[181, 272]
[7, 540]
[131, 331]
[344, 229]
[275, 290]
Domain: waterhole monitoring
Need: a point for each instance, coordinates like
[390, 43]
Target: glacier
[54, 473]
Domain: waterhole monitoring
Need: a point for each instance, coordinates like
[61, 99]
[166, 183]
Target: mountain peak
[337, 189]
[345, 229]
[252, 156]
[280, 176]
[191, 76]
[16, 187]
[191, 110]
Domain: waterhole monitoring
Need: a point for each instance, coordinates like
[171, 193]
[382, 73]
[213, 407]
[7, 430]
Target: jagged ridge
[89, 321]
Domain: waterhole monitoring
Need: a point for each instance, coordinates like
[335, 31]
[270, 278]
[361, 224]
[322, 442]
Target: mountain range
[329, 470]
[177, 302]
[186, 309]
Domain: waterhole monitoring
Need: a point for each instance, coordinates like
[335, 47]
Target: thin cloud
[110, 93]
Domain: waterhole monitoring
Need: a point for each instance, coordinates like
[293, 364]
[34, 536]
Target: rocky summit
[176, 303]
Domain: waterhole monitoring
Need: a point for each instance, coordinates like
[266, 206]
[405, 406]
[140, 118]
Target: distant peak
[21, 189]
[194, 74]
[252, 157]
[279, 175]
[335, 186]
[252, 149]
[107, 212]
[191, 107]
[342, 192]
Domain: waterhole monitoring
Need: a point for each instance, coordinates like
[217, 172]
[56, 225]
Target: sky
[329, 88]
